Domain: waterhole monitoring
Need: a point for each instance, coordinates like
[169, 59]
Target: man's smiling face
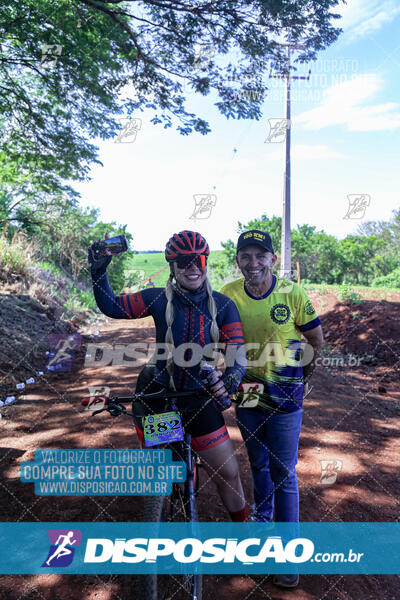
[255, 263]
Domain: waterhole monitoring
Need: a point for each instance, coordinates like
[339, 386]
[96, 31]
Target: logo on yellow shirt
[280, 313]
[308, 308]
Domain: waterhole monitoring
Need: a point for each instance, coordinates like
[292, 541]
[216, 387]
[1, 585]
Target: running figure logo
[329, 471]
[277, 130]
[203, 54]
[98, 397]
[128, 134]
[250, 394]
[204, 203]
[62, 353]
[50, 55]
[284, 285]
[358, 204]
[62, 547]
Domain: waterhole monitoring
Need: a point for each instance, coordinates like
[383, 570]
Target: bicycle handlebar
[115, 405]
[158, 396]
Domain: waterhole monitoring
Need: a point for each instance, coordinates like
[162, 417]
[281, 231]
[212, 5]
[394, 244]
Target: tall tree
[357, 252]
[272, 226]
[69, 67]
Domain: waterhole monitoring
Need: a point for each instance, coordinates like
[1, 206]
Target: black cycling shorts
[204, 422]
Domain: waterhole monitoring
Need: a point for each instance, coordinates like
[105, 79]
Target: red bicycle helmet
[185, 242]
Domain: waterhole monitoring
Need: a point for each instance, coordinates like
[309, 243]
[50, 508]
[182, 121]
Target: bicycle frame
[189, 488]
[116, 407]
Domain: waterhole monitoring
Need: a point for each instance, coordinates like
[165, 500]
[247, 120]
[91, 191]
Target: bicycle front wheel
[170, 586]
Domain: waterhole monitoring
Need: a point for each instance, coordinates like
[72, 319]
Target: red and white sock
[239, 515]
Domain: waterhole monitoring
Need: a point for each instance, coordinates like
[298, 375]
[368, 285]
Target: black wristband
[98, 265]
[96, 273]
[231, 383]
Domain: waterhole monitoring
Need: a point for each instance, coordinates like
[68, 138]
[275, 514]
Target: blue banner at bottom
[248, 548]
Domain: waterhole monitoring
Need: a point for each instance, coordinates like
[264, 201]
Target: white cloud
[305, 152]
[342, 106]
[363, 17]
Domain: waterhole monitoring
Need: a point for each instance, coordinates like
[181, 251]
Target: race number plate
[162, 428]
[248, 395]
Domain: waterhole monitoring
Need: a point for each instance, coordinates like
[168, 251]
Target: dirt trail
[351, 415]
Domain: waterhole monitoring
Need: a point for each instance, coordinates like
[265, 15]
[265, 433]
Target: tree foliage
[357, 259]
[63, 231]
[69, 68]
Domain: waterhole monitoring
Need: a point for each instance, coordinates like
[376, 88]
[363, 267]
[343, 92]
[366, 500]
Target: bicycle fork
[189, 487]
[190, 503]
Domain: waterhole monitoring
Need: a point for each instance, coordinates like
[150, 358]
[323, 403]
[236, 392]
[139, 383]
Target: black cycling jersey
[191, 325]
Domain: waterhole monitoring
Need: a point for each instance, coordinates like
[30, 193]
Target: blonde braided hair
[169, 338]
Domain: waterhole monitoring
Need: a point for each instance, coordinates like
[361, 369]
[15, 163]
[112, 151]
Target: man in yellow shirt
[275, 313]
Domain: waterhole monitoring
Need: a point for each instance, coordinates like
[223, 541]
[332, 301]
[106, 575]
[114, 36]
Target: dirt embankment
[369, 331]
[30, 312]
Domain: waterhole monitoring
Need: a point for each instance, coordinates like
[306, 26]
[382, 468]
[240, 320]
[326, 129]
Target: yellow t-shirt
[272, 327]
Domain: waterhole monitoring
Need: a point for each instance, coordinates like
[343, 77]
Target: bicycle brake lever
[117, 409]
[96, 412]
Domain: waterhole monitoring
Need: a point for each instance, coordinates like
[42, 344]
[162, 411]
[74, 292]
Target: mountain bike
[180, 505]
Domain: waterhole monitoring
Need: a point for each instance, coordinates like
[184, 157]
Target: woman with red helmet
[188, 315]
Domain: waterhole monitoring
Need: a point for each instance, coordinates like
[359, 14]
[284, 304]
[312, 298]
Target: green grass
[86, 299]
[366, 293]
[152, 263]
[51, 269]
[77, 300]
[15, 256]
[349, 294]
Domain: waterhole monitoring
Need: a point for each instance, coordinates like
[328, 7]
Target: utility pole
[286, 256]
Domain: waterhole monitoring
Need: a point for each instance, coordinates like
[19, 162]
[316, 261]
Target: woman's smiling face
[191, 277]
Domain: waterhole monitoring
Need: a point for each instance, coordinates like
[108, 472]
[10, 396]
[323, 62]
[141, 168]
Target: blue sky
[345, 128]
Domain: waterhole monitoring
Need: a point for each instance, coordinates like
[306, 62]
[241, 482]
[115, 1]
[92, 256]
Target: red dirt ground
[351, 415]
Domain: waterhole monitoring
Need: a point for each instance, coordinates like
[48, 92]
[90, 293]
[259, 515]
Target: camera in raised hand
[101, 251]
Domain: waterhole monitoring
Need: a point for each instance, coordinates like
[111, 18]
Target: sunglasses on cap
[184, 261]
